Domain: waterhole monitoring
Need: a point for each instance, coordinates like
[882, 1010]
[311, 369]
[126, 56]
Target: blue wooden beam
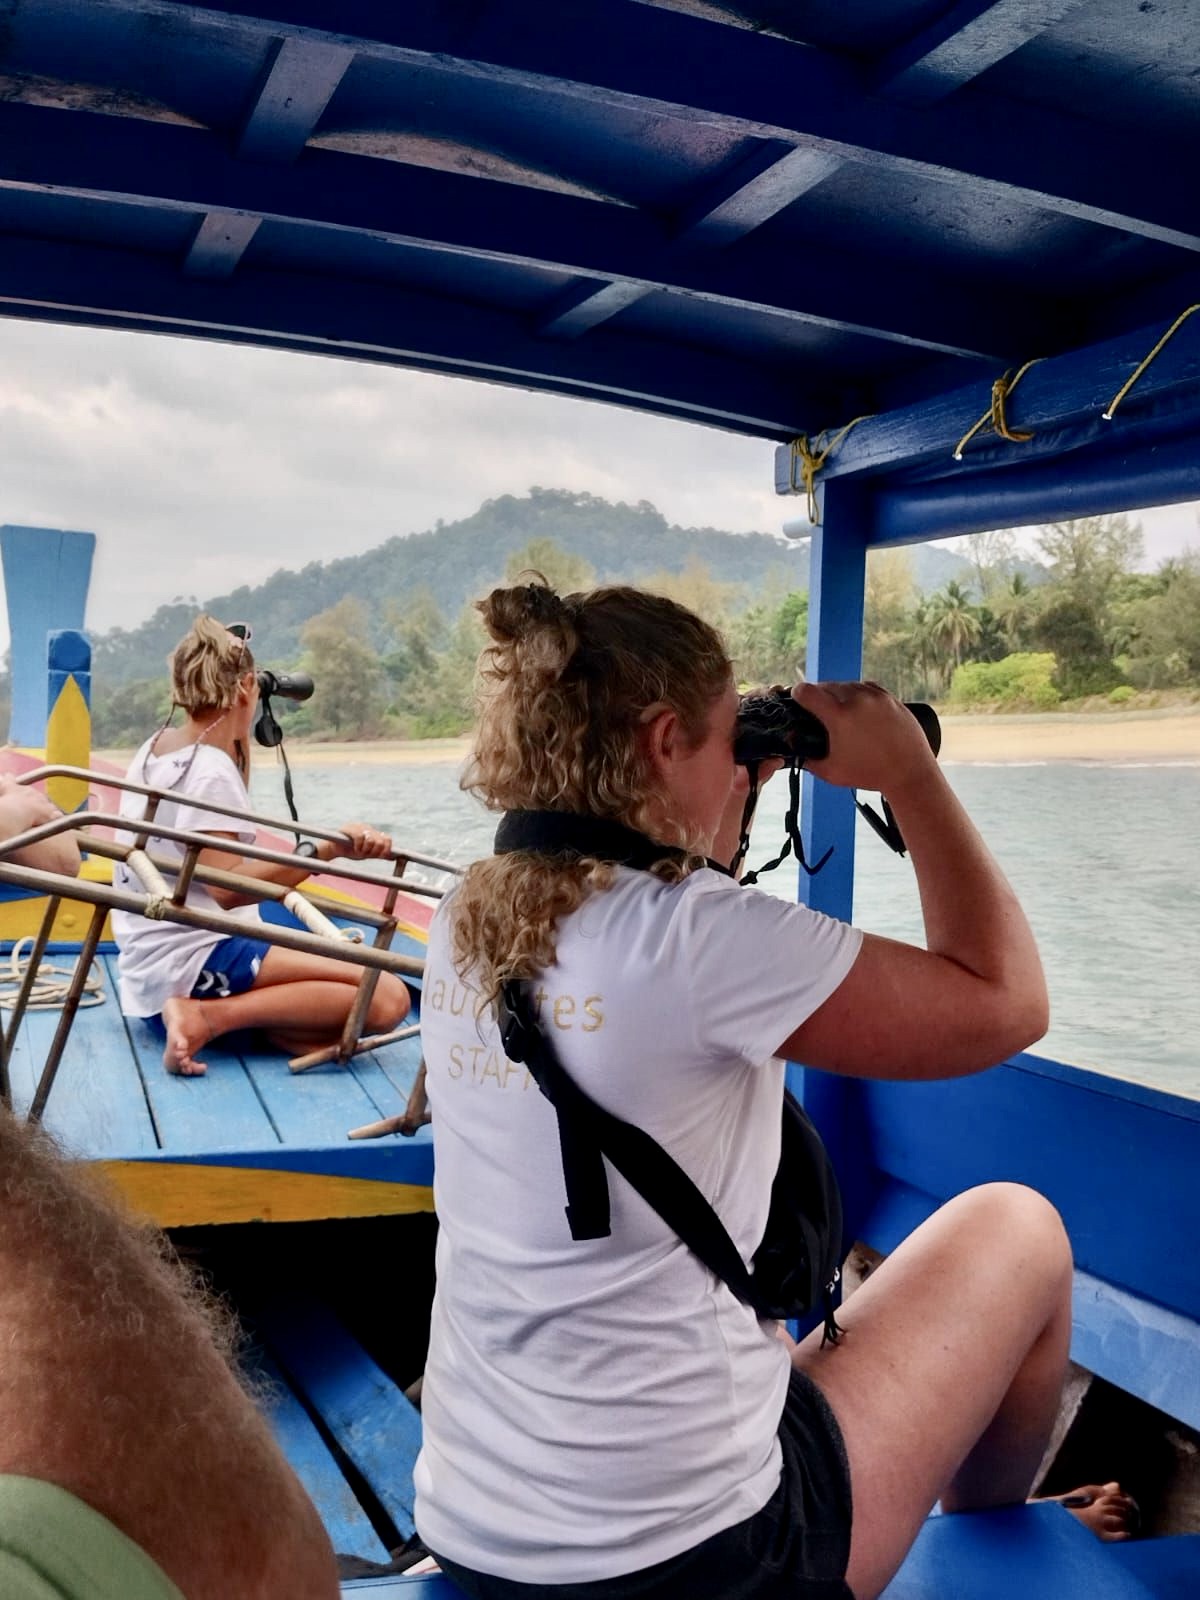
[760, 185]
[387, 322]
[219, 244]
[962, 44]
[748, 84]
[1119, 476]
[186, 169]
[969, 39]
[1062, 392]
[299, 82]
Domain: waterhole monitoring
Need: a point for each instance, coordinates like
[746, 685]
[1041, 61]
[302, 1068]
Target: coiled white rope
[51, 985]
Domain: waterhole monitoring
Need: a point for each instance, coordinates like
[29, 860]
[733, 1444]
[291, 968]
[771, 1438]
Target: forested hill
[456, 562]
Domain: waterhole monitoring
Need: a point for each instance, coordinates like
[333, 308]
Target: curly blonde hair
[207, 665]
[563, 689]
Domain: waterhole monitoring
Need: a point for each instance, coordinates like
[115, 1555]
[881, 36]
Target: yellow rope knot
[1142, 365]
[809, 456]
[996, 415]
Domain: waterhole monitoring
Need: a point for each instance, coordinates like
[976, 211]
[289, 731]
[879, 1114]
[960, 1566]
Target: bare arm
[362, 844]
[23, 807]
[976, 993]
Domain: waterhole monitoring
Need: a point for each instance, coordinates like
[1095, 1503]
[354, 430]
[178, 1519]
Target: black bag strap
[588, 1133]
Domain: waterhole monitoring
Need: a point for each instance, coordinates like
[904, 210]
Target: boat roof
[774, 216]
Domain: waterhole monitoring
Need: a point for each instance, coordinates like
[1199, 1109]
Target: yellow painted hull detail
[186, 1194]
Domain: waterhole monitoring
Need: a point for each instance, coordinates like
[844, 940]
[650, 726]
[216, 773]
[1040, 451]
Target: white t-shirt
[592, 1408]
[161, 960]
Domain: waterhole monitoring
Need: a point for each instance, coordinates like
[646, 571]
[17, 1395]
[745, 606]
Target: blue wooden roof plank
[379, 322]
[692, 70]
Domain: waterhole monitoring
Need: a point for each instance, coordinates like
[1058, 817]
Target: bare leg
[948, 1379]
[114, 1385]
[301, 996]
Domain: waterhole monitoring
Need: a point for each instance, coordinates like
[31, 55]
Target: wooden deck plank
[346, 1522]
[195, 1116]
[371, 1419]
[97, 1106]
[387, 1075]
[317, 1107]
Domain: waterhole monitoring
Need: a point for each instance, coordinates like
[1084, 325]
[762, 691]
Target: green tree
[769, 639]
[123, 716]
[993, 555]
[1088, 555]
[1163, 647]
[889, 653]
[348, 699]
[697, 589]
[953, 625]
[1067, 625]
[1015, 607]
[565, 572]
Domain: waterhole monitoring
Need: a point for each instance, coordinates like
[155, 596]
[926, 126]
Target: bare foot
[1105, 1508]
[186, 1033]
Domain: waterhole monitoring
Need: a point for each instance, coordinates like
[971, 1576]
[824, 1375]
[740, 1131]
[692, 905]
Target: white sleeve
[214, 777]
[757, 967]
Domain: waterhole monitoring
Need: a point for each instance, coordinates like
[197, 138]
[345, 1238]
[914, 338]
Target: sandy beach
[1171, 735]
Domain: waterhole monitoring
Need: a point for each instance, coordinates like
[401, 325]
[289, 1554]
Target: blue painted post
[836, 586]
[46, 577]
[837, 577]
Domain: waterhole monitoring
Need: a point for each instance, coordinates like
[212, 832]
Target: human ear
[662, 739]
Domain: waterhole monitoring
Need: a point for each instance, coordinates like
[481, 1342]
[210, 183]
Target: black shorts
[795, 1548]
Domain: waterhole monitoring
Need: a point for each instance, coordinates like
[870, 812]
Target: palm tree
[954, 622]
[1015, 607]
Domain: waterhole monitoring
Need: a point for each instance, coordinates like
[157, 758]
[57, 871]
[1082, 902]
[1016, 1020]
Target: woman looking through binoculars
[200, 984]
[600, 1412]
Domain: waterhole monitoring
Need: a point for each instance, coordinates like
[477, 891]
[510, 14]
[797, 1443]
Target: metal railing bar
[104, 894]
[106, 780]
[21, 1003]
[258, 887]
[83, 965]
[76, 821]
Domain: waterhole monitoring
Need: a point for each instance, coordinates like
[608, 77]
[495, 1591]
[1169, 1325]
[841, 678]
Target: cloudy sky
[203, 466]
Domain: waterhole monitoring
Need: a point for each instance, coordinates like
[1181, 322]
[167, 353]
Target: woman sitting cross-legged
[203, 985]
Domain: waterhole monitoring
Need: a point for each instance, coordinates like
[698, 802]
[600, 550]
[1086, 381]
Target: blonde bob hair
[207, 666]
[563, 691]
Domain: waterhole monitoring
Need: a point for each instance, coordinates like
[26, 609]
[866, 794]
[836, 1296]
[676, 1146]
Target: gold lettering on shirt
[564, 1010]
[456, 1061]
[437, 996]
[591, 1007]
[458, 1000]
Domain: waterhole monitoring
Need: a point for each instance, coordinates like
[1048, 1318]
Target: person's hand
[365, 844]
[24, 806]
[874, 742]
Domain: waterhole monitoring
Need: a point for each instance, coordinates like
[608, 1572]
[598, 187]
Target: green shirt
[54, 1547]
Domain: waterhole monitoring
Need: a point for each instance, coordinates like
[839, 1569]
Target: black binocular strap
[587, 1133]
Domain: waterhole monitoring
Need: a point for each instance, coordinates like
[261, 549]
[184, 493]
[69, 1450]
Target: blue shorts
[232, 966]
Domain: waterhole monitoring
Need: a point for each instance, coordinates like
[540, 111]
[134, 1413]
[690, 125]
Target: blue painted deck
[113, 1100]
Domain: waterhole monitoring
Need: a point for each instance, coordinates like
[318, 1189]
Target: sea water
[1104, 857]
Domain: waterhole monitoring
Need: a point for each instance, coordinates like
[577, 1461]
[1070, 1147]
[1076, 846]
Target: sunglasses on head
[243, 632]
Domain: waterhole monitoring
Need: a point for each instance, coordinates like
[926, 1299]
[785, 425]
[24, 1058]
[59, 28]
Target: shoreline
[1161, 738]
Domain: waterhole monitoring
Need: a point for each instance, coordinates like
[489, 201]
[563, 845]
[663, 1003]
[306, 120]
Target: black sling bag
[797, 1264]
